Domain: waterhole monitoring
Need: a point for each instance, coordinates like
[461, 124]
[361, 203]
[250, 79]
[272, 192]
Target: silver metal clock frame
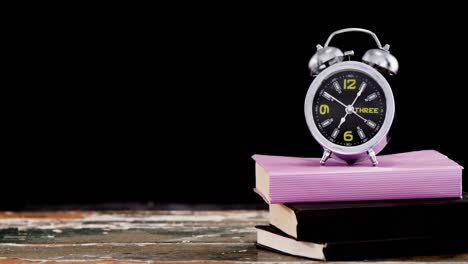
[354, 153]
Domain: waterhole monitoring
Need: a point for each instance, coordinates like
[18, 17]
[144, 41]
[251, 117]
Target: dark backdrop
[167, 104]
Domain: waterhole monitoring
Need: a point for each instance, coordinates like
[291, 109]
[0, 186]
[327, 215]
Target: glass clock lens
[349, 108]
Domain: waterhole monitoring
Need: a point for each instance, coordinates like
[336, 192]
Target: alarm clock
[349, 107]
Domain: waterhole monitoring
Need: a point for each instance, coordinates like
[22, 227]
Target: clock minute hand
[332, 98]
[361, 89]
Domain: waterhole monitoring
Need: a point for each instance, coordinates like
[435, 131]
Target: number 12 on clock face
[350, 108]
[349, 84]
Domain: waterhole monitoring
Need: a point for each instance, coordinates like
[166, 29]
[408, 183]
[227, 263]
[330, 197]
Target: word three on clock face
[349, 108]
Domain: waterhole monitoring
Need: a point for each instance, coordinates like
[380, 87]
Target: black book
[338, 221]
[271, 238]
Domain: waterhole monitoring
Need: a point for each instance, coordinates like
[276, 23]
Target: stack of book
[411, 204]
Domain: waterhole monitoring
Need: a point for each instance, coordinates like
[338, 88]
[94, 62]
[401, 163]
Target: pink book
[411, 175]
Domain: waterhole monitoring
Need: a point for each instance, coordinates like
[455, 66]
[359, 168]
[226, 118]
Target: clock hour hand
[336, 131]
[343, 119]
[349, 110]
[332, 98]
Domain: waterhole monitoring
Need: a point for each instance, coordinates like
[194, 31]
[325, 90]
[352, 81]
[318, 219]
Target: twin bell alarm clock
[349, 107]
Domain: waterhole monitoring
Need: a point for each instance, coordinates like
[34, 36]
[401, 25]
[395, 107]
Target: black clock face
[349, 108]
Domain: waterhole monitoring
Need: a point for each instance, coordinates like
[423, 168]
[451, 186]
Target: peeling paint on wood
[141, 237]
[47, 215]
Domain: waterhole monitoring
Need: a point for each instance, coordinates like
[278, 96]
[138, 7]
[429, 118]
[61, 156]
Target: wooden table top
[143, 237]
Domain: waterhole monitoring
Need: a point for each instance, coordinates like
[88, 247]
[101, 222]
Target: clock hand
[366, 121]
[363, 119]
[336, 131]
[332, 98]
[361, 89]
[343, 119]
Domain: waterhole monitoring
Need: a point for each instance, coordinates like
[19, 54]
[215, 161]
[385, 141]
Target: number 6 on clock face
[348, 136]
[349, 109]
[339, 123]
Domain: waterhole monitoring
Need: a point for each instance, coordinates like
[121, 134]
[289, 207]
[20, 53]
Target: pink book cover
[411, 175]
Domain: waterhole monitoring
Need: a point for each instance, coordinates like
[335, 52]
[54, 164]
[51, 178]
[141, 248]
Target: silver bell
[324, 57]
[382, 59]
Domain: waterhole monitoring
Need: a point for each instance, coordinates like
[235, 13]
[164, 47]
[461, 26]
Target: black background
[161, 105]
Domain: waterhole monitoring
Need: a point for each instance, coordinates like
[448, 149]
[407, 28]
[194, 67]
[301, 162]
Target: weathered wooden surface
[142, 237]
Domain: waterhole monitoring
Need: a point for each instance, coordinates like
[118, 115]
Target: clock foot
[373, 157]
[326, 155]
